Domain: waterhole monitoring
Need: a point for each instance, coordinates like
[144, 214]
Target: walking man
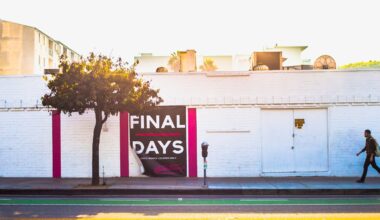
[370, 149]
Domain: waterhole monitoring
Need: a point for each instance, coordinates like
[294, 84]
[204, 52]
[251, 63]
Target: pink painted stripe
[56, 135]
[124, 144]
[192, 133]
[174, 134]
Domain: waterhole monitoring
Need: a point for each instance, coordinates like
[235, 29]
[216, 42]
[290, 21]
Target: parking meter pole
[204, 171]
[204, 146]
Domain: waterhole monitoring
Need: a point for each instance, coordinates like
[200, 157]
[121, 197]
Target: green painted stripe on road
[188, 202]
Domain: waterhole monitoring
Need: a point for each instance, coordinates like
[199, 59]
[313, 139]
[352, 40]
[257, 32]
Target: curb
[206, 191]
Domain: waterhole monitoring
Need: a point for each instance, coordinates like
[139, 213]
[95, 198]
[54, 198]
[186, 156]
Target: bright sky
[347, 30]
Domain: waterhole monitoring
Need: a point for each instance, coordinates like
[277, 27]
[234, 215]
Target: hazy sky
[347, 30]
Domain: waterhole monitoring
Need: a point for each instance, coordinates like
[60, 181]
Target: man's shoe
[360, 181]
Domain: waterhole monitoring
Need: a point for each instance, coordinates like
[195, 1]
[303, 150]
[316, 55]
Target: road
[190, 207]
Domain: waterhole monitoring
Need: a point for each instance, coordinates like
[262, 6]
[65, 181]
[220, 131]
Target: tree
[208, 65]
[358, 65]
[174, 62]
[100, 84]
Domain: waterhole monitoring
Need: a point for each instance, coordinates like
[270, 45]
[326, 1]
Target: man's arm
[361, 151]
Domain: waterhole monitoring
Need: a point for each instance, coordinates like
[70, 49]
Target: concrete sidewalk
[220, 186]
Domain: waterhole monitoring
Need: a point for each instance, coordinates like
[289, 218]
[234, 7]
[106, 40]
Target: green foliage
[174, 62]
[99, 83]
[358, 65]
[208, 65]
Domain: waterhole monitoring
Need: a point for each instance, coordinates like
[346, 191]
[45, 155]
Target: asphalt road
[193, 207]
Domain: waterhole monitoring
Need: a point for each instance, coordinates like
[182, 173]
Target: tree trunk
[95, 147]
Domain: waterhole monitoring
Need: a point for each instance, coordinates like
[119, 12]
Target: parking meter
[204, 147]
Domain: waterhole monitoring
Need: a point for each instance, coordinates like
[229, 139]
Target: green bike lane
[189, 201]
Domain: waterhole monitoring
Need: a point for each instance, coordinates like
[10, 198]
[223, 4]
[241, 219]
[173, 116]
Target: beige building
[221, 62]
[291, 59]
[27, 50]
[292, 55]
[149, 62]
[187, 62]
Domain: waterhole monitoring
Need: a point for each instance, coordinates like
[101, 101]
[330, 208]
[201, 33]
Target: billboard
[159, 139]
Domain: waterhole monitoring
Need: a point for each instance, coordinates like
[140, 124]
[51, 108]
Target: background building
[272, 123]
[293, 56]
[149, 62]
[291, 59]
[27, 50]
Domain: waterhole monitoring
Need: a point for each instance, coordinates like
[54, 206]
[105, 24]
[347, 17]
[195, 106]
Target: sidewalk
[173, 186]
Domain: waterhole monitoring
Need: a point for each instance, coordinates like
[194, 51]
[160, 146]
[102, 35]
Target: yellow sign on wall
[299, 122]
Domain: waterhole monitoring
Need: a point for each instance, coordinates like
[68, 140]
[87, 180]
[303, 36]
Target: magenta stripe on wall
[192, 133]
[56, 136]
[124, 145]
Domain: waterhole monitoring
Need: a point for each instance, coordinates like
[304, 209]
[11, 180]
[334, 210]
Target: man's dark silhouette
[370, 149]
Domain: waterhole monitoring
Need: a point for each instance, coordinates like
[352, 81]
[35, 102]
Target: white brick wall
[266, 87]
[346, 126]
[28, 89]
[77, 132]
[233, 135]
[239, 154]
[199, 88]
[234, 138]
[25, 144]
[233, 150]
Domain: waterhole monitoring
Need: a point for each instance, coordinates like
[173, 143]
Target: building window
[51, 45]
[50, 63]
[65, 51]
[58, 49]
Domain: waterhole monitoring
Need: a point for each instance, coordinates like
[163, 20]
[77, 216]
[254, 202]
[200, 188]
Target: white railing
[217, 101]
[20, 104]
